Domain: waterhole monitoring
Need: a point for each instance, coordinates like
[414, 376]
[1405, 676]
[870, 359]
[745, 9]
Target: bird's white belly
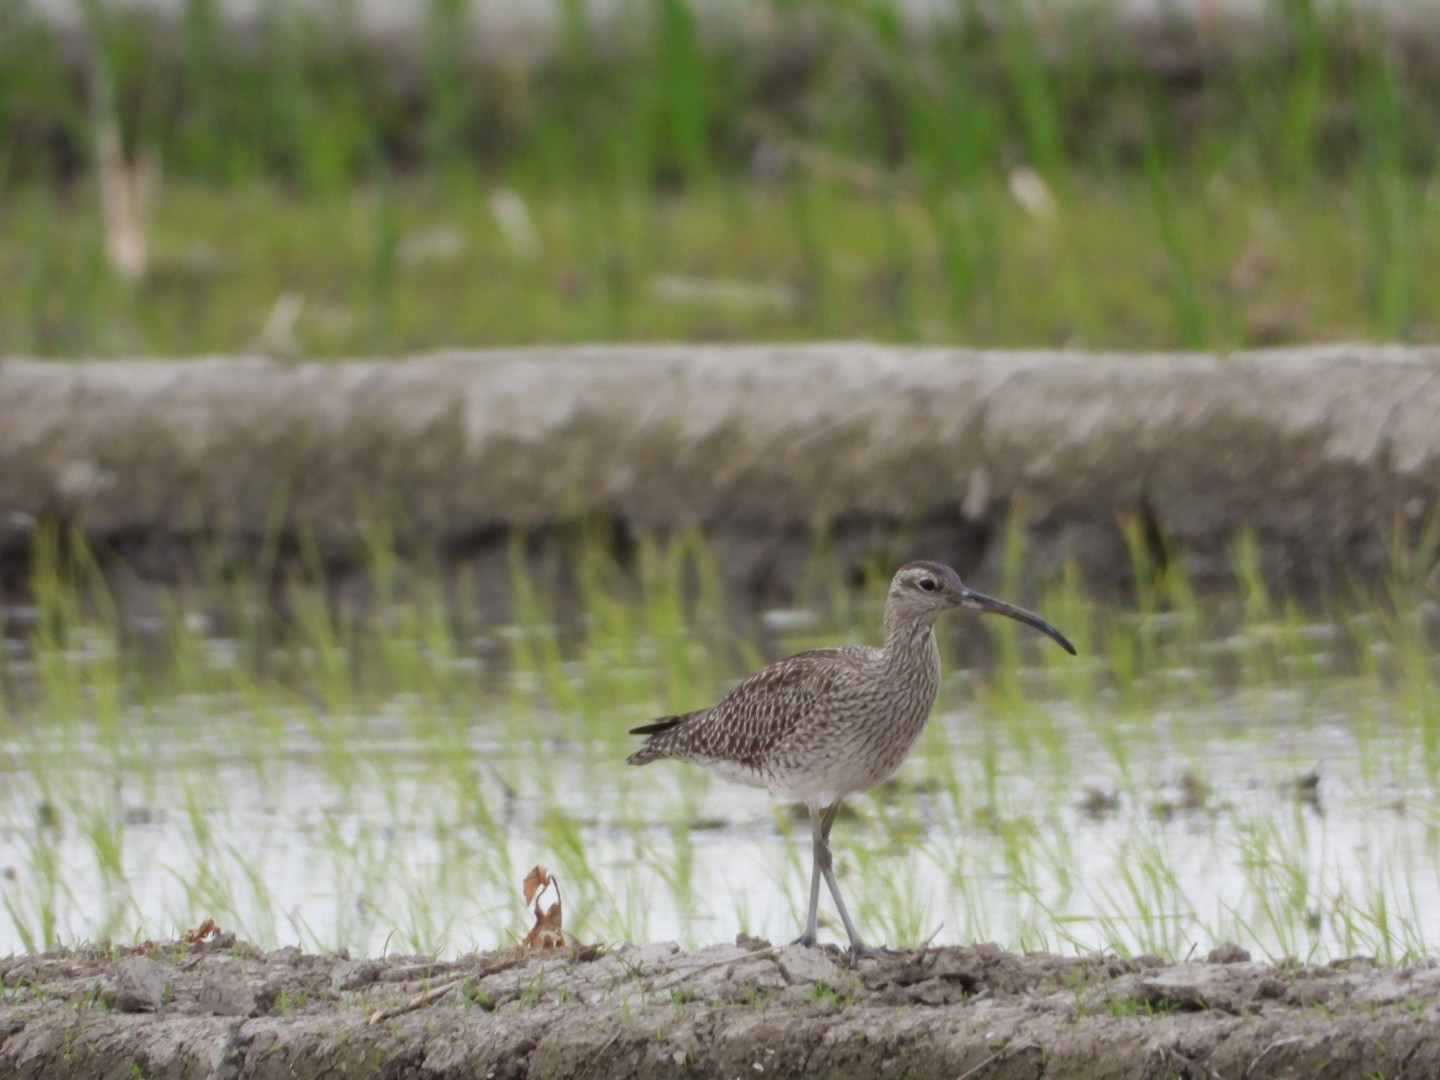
[735, 773]
[824, 781]
[822, 785]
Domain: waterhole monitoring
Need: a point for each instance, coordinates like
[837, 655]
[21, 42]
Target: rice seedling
[367, 771]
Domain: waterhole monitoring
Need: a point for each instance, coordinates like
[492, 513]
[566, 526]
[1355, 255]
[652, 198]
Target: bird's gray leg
[823, 860]
[817, 841]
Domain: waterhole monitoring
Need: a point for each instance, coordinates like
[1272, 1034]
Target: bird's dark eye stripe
[928, 584]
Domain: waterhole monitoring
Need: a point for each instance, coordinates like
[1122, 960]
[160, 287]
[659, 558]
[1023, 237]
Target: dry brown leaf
[196, 934]
[538, 878]
[547, 932]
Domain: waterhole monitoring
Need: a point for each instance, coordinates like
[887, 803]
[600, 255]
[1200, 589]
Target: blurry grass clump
[1007, 175]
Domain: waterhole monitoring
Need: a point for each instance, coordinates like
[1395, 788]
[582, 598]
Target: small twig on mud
[429, 997]
[1273, 1046]
[998, 1055]
[1193, 946]
[731, 960]
[924, 945]
[638, 974]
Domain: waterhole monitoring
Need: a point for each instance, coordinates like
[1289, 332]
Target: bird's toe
[860, 951]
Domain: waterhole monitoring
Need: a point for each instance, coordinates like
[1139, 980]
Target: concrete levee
[1322, 453]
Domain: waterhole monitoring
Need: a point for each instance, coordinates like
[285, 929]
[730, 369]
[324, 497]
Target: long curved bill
[981, 602]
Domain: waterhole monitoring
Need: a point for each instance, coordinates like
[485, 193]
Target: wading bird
[831, 722]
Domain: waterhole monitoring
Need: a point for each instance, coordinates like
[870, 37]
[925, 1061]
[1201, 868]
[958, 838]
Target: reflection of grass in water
[497, 746]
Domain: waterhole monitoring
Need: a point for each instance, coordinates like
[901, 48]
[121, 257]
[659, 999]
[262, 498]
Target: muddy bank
[224, 1009]
[1323, 452]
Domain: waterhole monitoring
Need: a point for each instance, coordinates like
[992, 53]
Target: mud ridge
[225, 1009]
[1322, 454]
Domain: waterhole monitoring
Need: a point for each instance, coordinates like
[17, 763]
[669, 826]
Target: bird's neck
[908, 643]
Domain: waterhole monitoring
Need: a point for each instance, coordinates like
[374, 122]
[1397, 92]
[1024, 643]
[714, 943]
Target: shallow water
[1280, 819]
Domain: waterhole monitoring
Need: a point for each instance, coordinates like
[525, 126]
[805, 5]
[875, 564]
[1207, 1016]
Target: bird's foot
[807, 939]
[860, 951]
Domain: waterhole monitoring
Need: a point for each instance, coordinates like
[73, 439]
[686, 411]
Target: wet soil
[224, 1009]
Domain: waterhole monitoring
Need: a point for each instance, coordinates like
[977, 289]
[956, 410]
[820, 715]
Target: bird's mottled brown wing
[747, 724]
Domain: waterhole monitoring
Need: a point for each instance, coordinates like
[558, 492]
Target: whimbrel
[831, 722]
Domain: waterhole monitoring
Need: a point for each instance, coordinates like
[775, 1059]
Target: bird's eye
[928, 584]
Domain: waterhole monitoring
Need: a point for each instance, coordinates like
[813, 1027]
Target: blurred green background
[306, 182]
[373, 754]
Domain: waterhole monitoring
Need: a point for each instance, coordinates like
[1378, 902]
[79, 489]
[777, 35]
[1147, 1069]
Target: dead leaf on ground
[547, 932]
[538, 878]
[197, 934]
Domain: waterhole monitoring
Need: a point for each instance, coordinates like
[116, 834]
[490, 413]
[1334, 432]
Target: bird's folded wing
[756, 717]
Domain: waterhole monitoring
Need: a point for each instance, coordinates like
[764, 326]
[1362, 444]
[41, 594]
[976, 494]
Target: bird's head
[922, 591]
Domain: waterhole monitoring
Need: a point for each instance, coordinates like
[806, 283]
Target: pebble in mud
[801, 965]
[1228, 953]
[139, 984]
[226, 993]
[353, 974]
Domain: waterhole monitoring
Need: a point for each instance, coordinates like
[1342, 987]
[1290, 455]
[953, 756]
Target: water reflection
[1273, 821]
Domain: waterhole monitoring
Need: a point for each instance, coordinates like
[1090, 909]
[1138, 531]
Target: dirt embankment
[226, 1010]
[1324, 453]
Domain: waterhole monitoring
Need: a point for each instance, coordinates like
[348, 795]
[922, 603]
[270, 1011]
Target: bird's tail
[656, 744]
